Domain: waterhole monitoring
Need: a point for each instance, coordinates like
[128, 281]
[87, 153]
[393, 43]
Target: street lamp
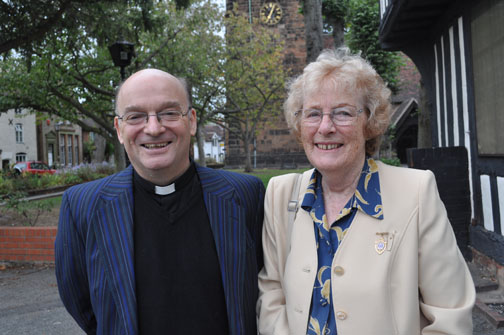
[122, 52]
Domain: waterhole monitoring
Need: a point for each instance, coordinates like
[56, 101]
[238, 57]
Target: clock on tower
[270, 13]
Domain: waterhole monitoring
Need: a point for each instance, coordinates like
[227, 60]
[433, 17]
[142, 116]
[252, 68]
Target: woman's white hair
[353, 74]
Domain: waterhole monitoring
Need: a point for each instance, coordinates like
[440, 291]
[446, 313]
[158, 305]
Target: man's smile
[155, 145]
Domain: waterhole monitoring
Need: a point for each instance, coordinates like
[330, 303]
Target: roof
[408, 21]
[401, 113]
[212, 129]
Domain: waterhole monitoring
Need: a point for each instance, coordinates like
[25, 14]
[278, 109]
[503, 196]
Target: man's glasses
[164, 117]
[341, 116]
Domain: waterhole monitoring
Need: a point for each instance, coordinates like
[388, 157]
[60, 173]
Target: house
[18, 137]
[458, 48]
[214, 144]
[59, 143]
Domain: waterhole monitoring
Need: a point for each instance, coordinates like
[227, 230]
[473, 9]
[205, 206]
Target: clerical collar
[164, 190]
[177, 185]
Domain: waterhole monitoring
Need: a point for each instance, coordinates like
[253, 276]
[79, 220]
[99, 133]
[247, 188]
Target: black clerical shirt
[178, 280]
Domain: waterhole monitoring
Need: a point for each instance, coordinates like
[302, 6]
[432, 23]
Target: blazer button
[341, 315]
[338, 270]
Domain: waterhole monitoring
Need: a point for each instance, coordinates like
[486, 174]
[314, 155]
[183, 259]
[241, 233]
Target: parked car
[33, 167]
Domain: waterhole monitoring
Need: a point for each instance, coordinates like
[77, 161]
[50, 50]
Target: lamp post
[122, 52]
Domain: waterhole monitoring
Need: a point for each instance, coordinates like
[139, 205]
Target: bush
[30, 210]
[71, 179]
[391, 161]
[69, 176]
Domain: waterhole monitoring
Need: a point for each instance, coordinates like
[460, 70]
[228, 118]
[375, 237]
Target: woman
[371, 250]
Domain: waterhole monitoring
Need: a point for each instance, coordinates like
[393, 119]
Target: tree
[312, 12]
[25, 23]
[70, 73]
[323, 16]
[363, 37]
[196, 54]
[334, 13]
[254, 79]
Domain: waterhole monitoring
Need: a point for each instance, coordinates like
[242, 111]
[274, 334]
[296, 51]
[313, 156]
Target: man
[164, 246]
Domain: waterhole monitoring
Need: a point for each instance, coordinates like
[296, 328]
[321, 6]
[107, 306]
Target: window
[19, 133]
[21, 157]
[70, 149]
[487, 32]
[17, 111]
[62, 149]
[76, 150]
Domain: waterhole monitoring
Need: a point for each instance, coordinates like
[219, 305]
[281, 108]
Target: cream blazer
[414, 282]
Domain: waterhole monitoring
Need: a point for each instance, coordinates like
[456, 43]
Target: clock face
[271, 13]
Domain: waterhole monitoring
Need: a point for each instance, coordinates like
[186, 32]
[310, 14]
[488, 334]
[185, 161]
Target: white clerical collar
[164, 190]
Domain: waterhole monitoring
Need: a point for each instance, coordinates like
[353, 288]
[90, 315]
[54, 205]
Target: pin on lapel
[381, 242]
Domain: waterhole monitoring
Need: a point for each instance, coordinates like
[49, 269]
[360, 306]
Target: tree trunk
[312, 10]
[200, 140]
[248, 160]
[338, 33]
[424, 139]
[119, 155]
[98, 155]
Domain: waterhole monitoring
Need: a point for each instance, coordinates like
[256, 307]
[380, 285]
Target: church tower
[275, 146]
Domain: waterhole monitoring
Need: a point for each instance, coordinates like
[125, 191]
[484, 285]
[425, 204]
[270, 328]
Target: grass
[266, 174]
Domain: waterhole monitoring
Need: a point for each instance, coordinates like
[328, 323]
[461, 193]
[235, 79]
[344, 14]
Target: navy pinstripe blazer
[94, 249]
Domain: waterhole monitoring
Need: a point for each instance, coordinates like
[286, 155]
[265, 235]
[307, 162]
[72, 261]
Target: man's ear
[193, 122]
[118, 130]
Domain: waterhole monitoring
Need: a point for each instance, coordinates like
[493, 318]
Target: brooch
[383, 242]
[380, 244]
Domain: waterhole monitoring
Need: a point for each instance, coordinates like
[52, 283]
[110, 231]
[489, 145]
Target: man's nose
[153, 126]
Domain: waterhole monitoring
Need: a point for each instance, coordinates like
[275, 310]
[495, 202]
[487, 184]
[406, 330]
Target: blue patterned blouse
[367, 199]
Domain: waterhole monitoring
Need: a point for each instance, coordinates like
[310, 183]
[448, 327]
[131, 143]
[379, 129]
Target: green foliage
[364, 20]
[24, 24]
[30, 210]
[71, 179]
[335, 8]
[391, 161]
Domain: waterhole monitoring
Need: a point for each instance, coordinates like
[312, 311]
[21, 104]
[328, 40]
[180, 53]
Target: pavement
[30, 305]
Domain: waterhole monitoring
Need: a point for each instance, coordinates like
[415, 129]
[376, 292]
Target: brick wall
[27, 244]
[274, 137]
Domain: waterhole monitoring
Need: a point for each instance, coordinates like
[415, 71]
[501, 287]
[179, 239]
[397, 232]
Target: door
[50, 150]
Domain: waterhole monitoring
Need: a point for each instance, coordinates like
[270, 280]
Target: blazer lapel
[114, 235]
[227, 219]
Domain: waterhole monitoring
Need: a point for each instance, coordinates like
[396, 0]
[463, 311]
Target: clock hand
[271, 12]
